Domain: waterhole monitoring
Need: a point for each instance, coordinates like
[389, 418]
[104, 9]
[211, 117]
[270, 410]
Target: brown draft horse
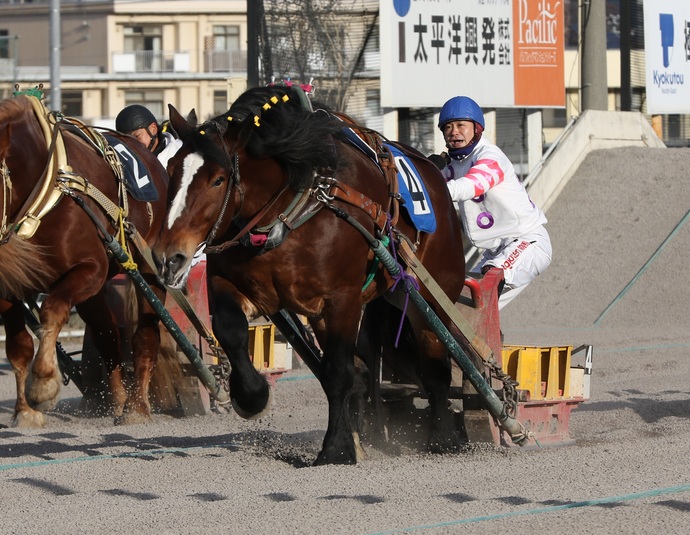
[67, 260]
[270, 160]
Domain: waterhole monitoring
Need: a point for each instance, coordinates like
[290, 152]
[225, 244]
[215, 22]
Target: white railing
[225, 61]
[151, 61]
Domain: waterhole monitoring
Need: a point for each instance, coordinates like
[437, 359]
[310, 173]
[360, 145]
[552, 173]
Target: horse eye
[219, 180]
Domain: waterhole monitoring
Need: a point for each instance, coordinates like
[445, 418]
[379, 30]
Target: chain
[221, 371]
[510, 395]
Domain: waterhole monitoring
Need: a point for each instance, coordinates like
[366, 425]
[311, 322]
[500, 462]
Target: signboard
[501, 53]
[667, 56]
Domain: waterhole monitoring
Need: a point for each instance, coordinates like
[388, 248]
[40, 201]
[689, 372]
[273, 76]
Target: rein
[212, 249]
[236, 186]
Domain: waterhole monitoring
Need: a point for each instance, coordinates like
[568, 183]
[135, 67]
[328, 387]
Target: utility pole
[252, 43]
[626, 51]
[594, 75]
[55, 92]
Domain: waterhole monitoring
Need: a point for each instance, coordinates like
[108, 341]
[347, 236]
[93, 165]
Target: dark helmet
[132, 118]
[461, 109]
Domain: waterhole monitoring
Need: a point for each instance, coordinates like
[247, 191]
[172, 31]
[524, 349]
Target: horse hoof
[360, 454]
[254, 414]
[133, 418]
[28, 419]
[324, 459]
[94, 407]
[42, 393]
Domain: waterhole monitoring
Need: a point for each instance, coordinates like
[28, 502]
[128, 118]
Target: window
[226, 38]
[4, 44]
[220, 102]
[223, 49]
[145, 42]
[153, 100]
[374, 117]
[72, 103]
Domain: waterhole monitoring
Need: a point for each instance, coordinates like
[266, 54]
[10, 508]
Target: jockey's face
[458, 134]
[147, 136]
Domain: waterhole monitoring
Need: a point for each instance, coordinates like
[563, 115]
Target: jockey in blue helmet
[496, 211]
[461, 141]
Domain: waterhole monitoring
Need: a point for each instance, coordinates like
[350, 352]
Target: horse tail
[18, 274]
[168, 373]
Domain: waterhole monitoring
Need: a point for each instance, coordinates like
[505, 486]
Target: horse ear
[192, 119]
[179, 124]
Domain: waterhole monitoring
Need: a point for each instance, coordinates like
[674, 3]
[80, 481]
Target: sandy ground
[620, 248]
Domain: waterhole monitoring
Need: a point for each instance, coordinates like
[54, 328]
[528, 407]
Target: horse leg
[44, 381]
[20, 350]
[338, 340]
[249, 390]
[101, 321]
[145, 345]
[436, 374]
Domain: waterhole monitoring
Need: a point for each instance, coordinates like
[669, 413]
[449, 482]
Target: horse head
[202, 175]
[276, 142]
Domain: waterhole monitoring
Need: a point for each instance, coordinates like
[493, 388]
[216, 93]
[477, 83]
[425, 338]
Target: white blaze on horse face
[190, 166]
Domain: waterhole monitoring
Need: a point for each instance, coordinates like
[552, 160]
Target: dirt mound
[620, 233]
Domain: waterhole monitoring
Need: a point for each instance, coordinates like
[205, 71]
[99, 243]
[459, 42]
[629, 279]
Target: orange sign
[538, 49]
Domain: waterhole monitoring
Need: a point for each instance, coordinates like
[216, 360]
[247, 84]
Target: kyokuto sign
[667, 55]
[502, 53]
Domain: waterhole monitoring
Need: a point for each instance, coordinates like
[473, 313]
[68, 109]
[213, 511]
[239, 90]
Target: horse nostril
[175, 262]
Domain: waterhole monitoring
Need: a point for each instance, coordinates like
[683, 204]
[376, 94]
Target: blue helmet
[461, 109]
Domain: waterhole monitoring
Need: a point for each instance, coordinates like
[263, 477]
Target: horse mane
[17, 279]
[279, 126]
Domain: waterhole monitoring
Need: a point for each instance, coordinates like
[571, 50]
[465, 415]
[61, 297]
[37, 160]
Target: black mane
[299, 139]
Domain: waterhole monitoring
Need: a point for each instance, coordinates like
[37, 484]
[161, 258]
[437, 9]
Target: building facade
[191, 53]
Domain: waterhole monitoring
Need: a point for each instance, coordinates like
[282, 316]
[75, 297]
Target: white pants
[521, 259]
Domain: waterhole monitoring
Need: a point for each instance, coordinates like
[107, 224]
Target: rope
[402, 276]
[6, 187]
[130, 264]
[374, 266]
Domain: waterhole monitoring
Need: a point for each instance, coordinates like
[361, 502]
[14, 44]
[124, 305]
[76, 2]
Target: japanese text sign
[502, 53]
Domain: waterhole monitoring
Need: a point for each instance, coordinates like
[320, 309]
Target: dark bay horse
[65, 257]
[278, 192]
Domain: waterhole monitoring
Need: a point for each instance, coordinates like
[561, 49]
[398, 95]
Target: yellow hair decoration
[256, 120]
[285, 98]
[267, 106]
[202, 132]
[274, 99]
[229, 118]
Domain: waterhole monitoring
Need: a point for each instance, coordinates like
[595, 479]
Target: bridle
[234, 184]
